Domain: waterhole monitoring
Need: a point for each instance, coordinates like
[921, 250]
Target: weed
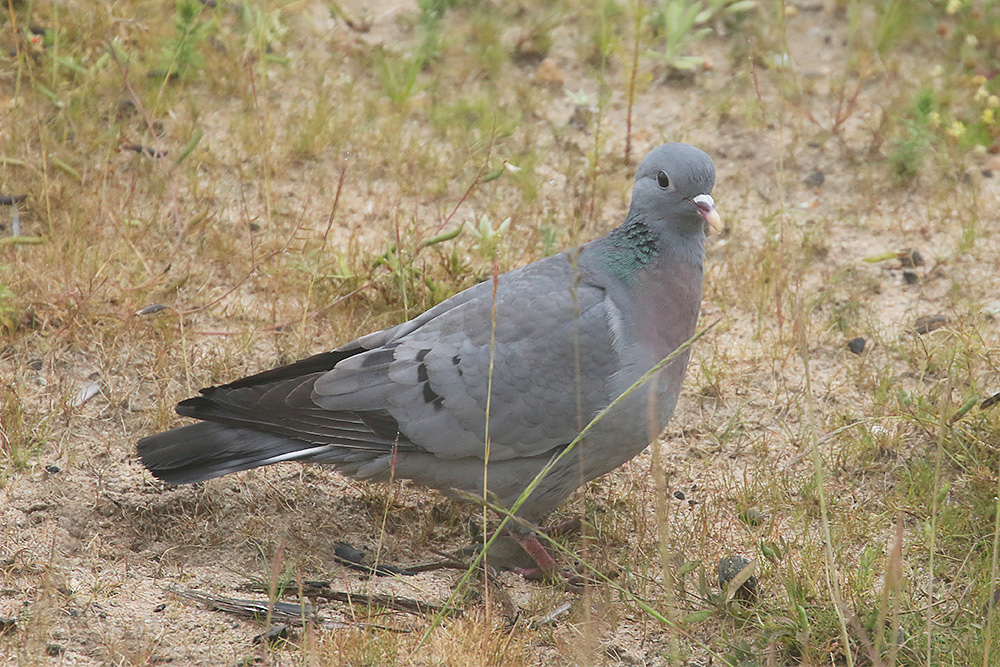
[909, 151]
[682, 23]
[487, 237]
[181, 57]
[22, 434]
[398, 74]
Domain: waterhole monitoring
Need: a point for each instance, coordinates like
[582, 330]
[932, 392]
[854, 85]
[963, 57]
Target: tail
[205, 450]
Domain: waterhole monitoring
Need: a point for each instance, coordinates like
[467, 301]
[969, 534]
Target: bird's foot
[545, 567]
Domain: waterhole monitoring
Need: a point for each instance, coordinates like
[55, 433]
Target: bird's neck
[636, 248]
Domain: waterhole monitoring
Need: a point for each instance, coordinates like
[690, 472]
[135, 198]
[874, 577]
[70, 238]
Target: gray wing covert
[552, 359]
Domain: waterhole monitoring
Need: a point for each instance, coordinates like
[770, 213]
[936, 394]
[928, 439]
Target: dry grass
[313, 149]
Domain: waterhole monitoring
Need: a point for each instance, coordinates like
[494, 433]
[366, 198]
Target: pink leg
[546, 566]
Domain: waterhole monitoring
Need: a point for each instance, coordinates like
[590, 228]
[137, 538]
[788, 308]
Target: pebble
[929, 323]
[728, 568]
[856, 345]
[815, 179]
[910, 258]
[548, 73]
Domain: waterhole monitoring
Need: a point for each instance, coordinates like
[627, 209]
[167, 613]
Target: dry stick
[136, 100]
[265, 132]
[509, 513]
[336, 201]
[323, 590]
[246, 276]
[637, 8]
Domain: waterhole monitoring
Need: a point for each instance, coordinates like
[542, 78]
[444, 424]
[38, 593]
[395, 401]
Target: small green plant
[398, 74]
[262, 31]
[181, 57]
[8, 313]
[487, 237]
[22, 434]
[681, 23]
[908, 152]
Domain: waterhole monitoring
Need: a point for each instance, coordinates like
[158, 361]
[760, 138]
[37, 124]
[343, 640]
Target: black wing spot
[422, 353]
[432, 397]
[455, 360]
[422, 373]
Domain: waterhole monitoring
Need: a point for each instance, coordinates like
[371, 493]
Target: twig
[298, 614]
[336, 200]
[322, 590]
[551, 616]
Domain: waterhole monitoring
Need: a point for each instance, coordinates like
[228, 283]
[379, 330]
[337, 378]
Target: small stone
[856, 345]
[987, 173]
[273, 635]
[731, 566]
[992, 603]
[347, 554]
[548, 73]
[815, 179]
[158, 608]
[679, 495]
[150, 309]
[53, 469]
[929, 323]
[752, 517]
[910, 278]
[35, 364]
[910, 258]
[53, 649]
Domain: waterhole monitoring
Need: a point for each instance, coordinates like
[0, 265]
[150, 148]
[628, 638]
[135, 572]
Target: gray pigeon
[573, 331]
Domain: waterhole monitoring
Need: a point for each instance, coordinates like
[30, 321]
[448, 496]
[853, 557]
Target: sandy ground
[91, 542]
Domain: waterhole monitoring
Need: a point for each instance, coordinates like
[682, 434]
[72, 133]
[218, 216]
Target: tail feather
[205, 450]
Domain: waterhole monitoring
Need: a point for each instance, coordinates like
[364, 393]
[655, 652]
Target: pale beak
[706, 209]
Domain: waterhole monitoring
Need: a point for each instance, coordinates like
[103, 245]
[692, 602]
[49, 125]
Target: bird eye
[662, 180]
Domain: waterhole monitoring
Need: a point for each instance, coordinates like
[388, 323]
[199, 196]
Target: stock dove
[573, 331]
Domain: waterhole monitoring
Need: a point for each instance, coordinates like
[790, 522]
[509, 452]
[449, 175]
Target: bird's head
[673, 189]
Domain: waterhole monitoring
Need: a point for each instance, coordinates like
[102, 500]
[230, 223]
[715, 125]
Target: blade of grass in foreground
[509, 513]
